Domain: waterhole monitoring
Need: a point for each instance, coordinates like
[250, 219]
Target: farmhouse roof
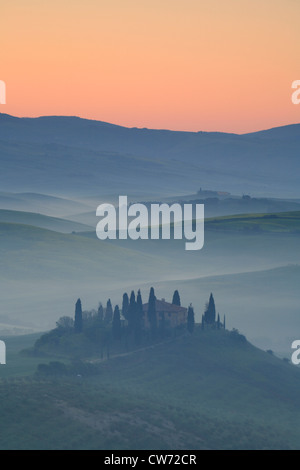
[163, 306]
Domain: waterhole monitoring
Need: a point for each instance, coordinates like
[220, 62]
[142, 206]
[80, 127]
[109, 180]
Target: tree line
[122, 329]
[132, 316]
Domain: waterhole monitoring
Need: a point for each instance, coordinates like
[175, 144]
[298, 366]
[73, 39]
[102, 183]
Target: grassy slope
[283, 222]
[206, 391]
[31, 252]
[275, 222]
[45, 167]
[18, 364]
[41, 221]
[41, 203]
[28, 251]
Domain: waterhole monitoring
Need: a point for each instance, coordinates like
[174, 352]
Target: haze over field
[250, 263]
[56, 170]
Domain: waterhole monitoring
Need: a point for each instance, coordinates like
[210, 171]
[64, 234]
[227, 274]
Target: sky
[192, 65]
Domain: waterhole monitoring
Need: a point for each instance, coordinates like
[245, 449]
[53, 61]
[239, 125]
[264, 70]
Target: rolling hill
[39, 220]
[42, 204]
[213, 207]
[68, 155]
[211, 390]
[284, 222]
[28, 252]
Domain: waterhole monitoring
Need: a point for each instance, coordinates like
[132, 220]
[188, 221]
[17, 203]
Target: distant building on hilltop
[169, 314]
[210, 193]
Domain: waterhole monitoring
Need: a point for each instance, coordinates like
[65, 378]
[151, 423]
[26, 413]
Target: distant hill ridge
[67, 123]
[74, 155]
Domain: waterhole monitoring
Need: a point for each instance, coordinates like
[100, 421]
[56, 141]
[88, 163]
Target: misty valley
[133, 341]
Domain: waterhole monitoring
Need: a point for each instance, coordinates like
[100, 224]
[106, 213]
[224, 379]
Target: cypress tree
[139, 318]
[132, 312]
[152, 312]
[176, 298]
[100, 312]
[116, 324]
[108, 312]
[210, 313]
[218, 322]
[125, 306]
[190, 319]
[139, 305]
[78, 324]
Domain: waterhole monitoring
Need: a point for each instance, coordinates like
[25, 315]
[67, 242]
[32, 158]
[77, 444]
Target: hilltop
[209, 390]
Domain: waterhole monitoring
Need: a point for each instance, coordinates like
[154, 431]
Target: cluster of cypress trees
[132, 311]
[103, 316]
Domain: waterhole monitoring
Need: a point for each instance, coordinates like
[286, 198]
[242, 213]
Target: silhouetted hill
[78, 156]
[209, 390]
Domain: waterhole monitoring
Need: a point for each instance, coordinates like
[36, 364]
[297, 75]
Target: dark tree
[190, 319]
[132, 312]
[108, 312]
[139, 308]
[218, 322]
[176, 299]
[116, 324]
[100, 312]
[138, 318]
[66, 323]
[125, 306]
[210, 312]
[78, 317]
[152, 312]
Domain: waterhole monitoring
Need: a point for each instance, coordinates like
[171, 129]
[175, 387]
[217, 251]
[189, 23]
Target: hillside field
[211, 390]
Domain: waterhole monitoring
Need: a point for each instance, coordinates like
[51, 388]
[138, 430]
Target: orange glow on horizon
[181, 64]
